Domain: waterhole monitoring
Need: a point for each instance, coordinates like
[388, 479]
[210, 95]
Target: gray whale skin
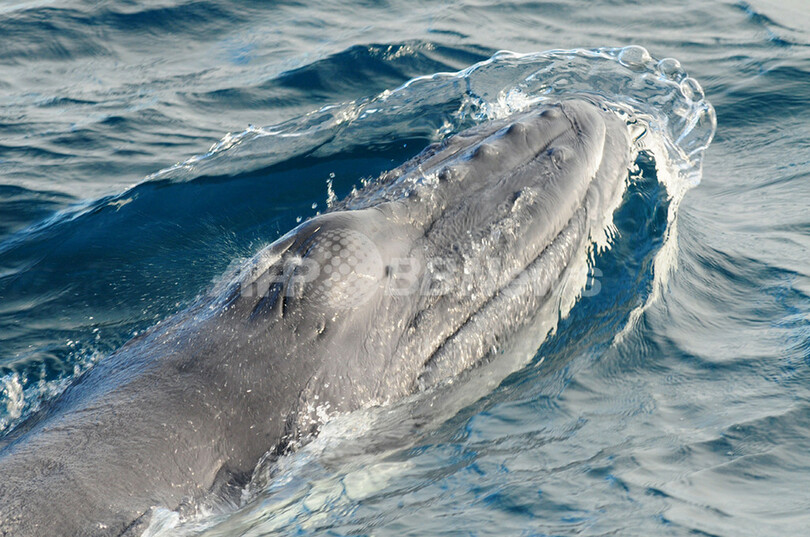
[360, 306]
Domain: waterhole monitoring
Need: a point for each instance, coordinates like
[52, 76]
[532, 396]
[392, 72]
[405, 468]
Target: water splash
[14, 398]
[22, 394]
[655, 95]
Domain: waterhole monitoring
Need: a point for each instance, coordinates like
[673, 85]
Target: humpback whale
[400, 287]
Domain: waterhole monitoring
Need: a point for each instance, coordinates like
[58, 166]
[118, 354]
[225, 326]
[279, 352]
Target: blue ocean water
[146, 146]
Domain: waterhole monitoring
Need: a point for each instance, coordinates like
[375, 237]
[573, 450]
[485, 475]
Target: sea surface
[147, 146]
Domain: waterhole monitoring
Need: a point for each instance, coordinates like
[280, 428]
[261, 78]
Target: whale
[411, 280]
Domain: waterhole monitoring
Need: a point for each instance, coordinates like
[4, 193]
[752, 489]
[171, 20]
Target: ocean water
[147, 146]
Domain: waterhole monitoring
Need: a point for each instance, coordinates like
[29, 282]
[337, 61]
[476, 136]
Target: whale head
[416, 277]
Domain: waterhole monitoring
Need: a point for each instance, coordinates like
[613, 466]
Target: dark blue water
[674, 400]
